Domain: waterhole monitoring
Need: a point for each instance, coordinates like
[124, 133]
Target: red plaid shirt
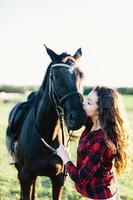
[92, 175]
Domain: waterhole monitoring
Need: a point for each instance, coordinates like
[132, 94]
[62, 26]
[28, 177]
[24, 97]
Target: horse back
[17, 117]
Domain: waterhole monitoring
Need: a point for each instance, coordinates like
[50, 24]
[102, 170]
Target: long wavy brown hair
[113, 123]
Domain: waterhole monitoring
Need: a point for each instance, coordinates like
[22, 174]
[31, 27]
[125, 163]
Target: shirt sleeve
[89, 166]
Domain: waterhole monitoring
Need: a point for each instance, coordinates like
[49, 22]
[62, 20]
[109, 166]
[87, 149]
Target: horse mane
[79, 72]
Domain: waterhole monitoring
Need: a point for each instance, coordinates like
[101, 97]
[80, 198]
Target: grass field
[9, 187]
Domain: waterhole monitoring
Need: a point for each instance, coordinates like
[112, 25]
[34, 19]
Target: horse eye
[56, 76]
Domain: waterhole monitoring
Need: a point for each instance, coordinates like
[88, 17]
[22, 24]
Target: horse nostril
[75, 120]
[72, 117]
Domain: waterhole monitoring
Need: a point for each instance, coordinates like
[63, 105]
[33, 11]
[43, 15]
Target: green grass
[128, 101]
[9, 186]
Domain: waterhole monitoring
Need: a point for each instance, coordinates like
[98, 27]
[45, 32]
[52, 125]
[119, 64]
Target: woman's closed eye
[89, 101]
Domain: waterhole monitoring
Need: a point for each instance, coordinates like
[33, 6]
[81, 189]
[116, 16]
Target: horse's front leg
[33, 197]
[27, 181]
[57, 187]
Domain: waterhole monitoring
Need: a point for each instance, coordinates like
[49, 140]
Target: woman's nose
[83, 105]
[84, 102]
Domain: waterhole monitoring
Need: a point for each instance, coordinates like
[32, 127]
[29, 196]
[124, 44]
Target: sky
[102, 28]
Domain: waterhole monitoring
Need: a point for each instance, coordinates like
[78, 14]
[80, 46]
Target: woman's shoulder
[92, 136]
[100, 137]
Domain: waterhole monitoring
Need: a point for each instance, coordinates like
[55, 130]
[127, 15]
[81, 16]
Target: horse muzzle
[75, 120]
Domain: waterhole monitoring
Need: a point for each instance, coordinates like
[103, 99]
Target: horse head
[64, 83]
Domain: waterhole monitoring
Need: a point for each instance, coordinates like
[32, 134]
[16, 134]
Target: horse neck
[46, 118]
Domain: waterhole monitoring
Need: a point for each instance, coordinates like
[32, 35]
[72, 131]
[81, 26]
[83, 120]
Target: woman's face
[90, 105]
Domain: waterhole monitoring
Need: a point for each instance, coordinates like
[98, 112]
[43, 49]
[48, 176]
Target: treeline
[17, 89]
[24, 89]
[121, 90]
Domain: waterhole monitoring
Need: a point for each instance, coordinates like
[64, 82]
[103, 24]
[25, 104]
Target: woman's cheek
[88, 111]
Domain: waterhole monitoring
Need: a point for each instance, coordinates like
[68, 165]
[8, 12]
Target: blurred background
[104, 31]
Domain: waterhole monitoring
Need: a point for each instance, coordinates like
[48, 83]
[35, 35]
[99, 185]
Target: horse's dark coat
[33, 158]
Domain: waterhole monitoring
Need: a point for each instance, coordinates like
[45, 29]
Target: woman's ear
[78, 54]
[51, 54]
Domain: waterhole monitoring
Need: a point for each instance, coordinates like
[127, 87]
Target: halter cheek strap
[69, 95]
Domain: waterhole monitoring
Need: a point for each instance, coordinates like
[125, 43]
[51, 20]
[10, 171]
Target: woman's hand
[63, 153]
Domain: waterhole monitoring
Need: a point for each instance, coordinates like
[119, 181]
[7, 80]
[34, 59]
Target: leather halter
[57, 102]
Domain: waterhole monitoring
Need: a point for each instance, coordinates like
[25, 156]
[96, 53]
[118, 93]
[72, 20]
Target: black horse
[39, 134]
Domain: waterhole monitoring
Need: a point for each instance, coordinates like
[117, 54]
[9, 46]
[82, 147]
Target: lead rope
[61, 116]
[70, 135]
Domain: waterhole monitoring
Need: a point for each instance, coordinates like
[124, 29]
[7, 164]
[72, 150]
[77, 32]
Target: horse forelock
[68, 59]
[45, 80]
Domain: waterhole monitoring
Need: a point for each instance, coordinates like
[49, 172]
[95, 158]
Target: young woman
[102, 144]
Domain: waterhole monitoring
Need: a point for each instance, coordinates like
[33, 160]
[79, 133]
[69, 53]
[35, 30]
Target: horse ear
[51, 53]
[78, 54]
